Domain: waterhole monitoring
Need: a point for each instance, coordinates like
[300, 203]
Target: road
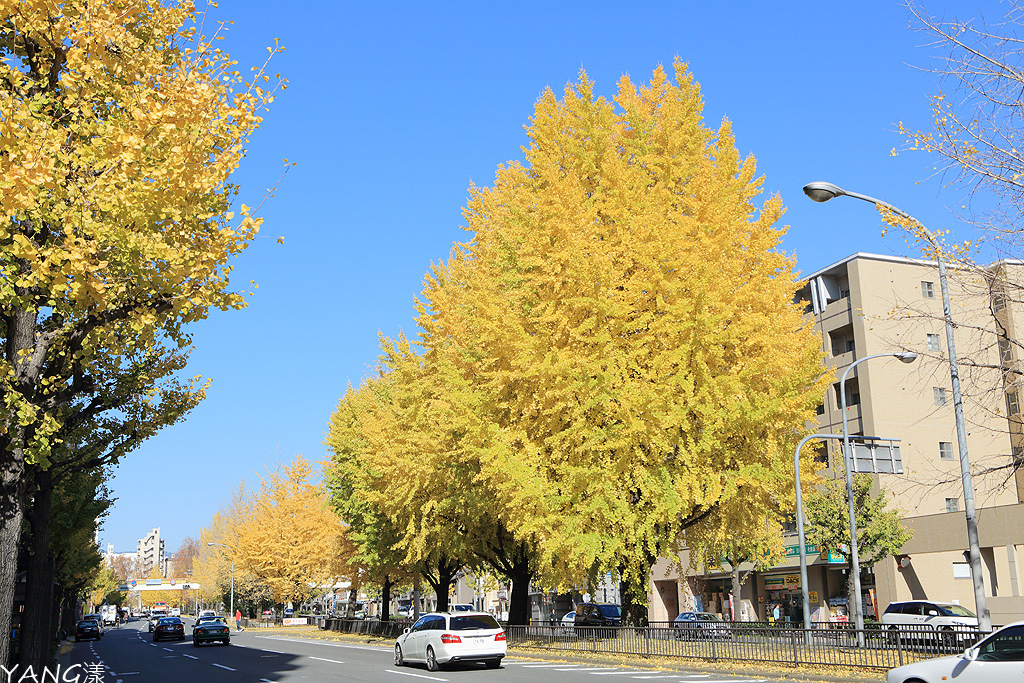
[128, 655]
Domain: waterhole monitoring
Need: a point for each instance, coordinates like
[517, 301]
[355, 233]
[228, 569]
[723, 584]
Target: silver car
[441, 637]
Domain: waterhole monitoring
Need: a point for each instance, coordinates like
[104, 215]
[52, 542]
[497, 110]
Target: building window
[1005, 350]
[1012, 403]
[928, 289]
[821, 453]
[961, 570]
[820, 410]
[998, 301]
[1017, 453]
[952, 505]
[945, 450]
[939, 394]
[933, 342]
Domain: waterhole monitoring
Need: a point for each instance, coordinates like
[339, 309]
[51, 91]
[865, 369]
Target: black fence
[877, 647]
[370, 627]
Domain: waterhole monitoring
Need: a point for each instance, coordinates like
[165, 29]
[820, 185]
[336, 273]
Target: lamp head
[821, 191]
[906, 356]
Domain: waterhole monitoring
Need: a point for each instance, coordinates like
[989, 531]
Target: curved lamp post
[822, 192]
[906, 357]
[232, 576]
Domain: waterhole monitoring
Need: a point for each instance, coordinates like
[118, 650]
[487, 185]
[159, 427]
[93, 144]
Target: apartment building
[870, 304]
[150, 553]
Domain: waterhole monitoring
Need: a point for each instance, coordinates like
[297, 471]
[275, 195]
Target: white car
[996, 659]
[206, 613]
[441, 637]
[569, 623]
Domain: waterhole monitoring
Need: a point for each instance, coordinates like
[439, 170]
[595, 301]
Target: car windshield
[610, 611]
[956, 611]
[473, 622]
[170, 621]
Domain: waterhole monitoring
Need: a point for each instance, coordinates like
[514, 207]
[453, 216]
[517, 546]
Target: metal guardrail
[883, 646]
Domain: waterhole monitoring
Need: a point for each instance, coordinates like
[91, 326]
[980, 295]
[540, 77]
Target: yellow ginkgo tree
[623, 317]
[120, 126]
[288, 537]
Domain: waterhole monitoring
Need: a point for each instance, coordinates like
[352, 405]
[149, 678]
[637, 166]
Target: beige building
[150, 553]
[869, 304]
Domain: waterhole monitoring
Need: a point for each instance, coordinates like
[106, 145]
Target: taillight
[500, 636]
[450, 638]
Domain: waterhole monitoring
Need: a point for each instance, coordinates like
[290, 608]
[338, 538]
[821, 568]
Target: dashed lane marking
[228, 668]
[190, 656]
[409, 673]
[332, 661]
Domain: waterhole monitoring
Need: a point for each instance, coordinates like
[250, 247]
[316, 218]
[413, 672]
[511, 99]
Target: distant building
[150, 553]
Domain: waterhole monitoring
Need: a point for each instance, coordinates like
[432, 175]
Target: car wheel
[195, 642]
[227, 641]
[399, 659]
[431, 660]
[948, 638]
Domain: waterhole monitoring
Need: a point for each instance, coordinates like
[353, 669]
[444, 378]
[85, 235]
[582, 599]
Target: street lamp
[822, 192]
[906, 357]
[232, 574]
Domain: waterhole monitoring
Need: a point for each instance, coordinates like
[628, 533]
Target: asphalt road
[128, 655]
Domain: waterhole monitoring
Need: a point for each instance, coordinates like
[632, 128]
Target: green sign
[794, 550]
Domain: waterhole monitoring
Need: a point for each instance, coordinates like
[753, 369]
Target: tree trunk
[36, 630]
[350, 609]
[11, 518]
[519, 605]
[385, 599]
[633, 592]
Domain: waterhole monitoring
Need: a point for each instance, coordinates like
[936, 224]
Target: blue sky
[393, 108]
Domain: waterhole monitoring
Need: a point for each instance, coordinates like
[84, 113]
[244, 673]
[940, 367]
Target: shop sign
[794, 550]
[812, 597]
[777, 583]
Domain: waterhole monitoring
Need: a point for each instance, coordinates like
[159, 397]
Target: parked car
[442, 637]
[996, 659]
[463, 608]
[169, 627]
[88, 629]
[700, 626]
[97, 618]
[591, 614]
[288, 612]
[568, 621]
[943, 619]
[211, 629]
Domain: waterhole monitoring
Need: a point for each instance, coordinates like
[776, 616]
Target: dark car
[88, 629]
[211, 630]
[700, 626]
[591, 614]
[169, 627]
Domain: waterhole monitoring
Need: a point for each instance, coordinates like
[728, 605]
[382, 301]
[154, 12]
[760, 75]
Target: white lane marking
[228, 668]
[190, 656]
[332, 661]
[675, 676]
[266, 680]
[544, 666]
[618, 673]
[406, 673]
[169, 649]
[741, 680]
[316, 642]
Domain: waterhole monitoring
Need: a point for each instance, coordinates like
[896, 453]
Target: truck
[109, 614]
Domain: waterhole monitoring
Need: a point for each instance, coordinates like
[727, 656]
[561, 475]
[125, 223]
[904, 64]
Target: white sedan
[996, 659]
[442, 637]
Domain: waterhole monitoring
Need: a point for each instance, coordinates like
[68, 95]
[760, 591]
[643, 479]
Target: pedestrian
[238, 620]
[775, 613]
